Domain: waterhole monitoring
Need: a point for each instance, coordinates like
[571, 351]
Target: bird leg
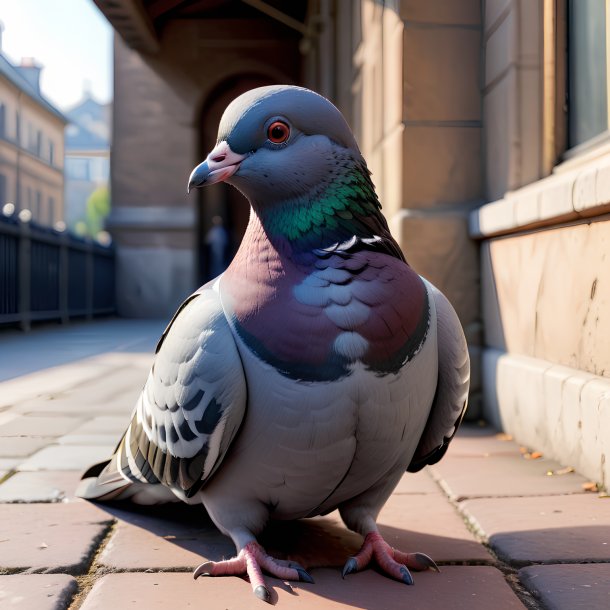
[252, 560]
[392, 562]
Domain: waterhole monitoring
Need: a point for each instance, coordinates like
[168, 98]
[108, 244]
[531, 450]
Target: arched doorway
[222, 210]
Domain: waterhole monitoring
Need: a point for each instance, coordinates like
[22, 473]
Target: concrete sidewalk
[509, 528]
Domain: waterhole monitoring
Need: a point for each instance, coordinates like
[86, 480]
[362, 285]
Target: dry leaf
[535, 455]
[589, 486]
[604, 495]
[502, 436]
[566, 470]
[523, 450]
[43, 545]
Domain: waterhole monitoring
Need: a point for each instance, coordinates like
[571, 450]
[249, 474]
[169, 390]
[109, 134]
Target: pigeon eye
[278, 132]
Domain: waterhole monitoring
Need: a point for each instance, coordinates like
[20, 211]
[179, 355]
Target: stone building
[484, 123]
[31, 144]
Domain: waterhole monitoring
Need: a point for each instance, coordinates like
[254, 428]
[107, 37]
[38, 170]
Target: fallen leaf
[535, 455]
[589, 486]
[566, 470]
[43, 545]
[169, 537]
[523, 450]
[604, 495]
[503, 436]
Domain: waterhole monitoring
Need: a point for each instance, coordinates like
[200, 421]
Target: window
[39, 143]
[37, 210]
[3, 195]
[587, 66]
[51, 153]
[2, 121]
[51, 211]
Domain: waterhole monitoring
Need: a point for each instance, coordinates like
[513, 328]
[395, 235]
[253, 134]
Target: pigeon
[313, 372]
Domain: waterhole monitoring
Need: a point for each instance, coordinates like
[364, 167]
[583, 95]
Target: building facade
[485, 125]
[87, 159]
[31, 144]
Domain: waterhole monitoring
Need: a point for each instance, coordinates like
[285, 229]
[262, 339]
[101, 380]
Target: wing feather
[451, 396]
[190, 408]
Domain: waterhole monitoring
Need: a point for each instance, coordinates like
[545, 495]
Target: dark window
[51, 212]
[588, 98]
[51, 153]
[2, 121]
[39, 143]
[37, 211]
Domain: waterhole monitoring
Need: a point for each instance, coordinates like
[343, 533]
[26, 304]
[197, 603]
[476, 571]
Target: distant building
[87, 157]
[31, 144]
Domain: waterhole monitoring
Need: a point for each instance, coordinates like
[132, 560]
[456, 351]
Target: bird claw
[263, 593]
[203, 570]
[426, 563]
[304, 576]
[351, 565]
[406, 576]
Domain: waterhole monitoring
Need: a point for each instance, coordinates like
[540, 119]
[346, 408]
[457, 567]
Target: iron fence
[51, 275]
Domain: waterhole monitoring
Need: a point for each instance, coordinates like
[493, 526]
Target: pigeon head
[293, 155]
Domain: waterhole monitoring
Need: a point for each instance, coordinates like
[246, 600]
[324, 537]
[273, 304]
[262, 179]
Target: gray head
[276, 143]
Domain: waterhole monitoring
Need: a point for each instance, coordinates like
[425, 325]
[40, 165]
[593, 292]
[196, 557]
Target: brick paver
[36, 591]
[52, 486]
[50, 537]
[457, 587]
[545, 529]
[66, 457]
[520, 477]
[57, 421]
[569, 586]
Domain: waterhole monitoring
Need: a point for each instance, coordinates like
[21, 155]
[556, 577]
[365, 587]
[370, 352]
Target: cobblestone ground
[507, 531]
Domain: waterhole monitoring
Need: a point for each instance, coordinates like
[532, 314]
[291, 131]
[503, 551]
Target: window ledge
[574, 191]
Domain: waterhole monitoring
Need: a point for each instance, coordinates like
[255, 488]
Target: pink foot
[394, 563]
[251, 560]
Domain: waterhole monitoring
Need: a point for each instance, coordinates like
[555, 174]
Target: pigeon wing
[190, 408]
[451, 395]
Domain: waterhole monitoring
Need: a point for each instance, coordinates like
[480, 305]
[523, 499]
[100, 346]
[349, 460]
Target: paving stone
[24, 425]
[22, 446]
[162, 537]
[457, 587]
[431, 525]
[50, 537]
[90, 439]
[569, 586]
[67, 457]
[473, 441]
[36, 591]
[544, 529]
[114, 425]
[47, 486]
[417, 483]
[503, 475]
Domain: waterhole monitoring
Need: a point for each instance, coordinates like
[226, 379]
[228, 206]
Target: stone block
[50, 537]
[38, 426]
[494, 9]
[48, 486]
[569, 586]
[556, 198]
[501, 139]
[584, 193]
[519, 477]
[544, 529]
[66, 457]
[441, 165]
[459, 587]
[501, 48]
[429, 524]
[392, 151]
[465, 12]
[22, 446]
[37, 591]
[441, 74]
[493, 330]
[438, 247]
[392, 71]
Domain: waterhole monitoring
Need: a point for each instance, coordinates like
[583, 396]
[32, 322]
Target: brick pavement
[508, 532]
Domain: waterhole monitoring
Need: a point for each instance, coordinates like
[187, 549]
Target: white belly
[305, 447]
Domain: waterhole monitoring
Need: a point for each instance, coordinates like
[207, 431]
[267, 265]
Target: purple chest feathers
[315, 323]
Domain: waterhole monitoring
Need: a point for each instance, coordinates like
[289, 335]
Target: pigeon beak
[220, 164]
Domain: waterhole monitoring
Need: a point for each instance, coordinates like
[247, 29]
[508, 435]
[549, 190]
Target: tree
[98, 207]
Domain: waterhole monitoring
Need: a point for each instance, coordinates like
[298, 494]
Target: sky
[70, 38]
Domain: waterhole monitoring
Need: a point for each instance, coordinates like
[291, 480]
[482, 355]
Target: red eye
[278, 132]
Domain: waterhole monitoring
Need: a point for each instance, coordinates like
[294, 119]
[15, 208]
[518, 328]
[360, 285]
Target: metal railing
[51, 275]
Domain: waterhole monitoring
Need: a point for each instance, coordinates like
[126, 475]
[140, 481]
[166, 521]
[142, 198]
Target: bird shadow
[178, 537]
